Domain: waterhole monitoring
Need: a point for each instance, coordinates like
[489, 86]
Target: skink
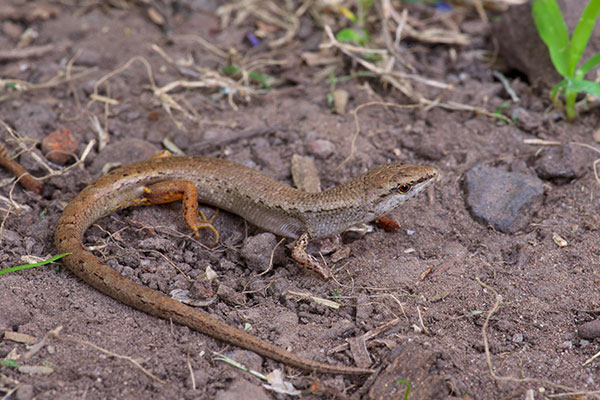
[262, 201]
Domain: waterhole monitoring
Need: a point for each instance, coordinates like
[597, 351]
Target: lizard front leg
[170, 191]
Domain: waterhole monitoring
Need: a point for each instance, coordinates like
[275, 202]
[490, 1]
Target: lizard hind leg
[301, 256]
[170, 191]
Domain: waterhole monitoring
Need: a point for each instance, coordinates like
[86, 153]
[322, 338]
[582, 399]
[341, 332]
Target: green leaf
[582, 33]
[580, 85]
[348, 14]
[9, 363]
[588, 65]
[407, 383]
[260, 78]
[350, 35]
[560, 85]
[20, 267]
[553, 31]
[230, 70]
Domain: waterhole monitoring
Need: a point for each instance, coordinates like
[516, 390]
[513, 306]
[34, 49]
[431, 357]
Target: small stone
[340, 101]
[502, 199]
[25, 392]
[517, 338]
[230, 296]
[528, 121]
[35, 369]
[60, 146]
[561, 163]
[568, 345]
[203, 289]
[589, 330]
[558, 240]
[596, 136]
[321, 148]
[257, 250]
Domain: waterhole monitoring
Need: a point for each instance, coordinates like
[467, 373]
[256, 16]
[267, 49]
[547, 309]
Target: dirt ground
[459, 297]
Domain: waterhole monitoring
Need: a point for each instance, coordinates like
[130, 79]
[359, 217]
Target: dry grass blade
[210, 79]
[27, 52]
[368, 335]
[397, 79]
[357, 124]
[203, 42]
[22, 86]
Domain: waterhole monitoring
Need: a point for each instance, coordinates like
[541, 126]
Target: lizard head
[391, 185]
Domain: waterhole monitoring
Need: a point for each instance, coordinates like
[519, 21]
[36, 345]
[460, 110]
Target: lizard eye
[404, 188]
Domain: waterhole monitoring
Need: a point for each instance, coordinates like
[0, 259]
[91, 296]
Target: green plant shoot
[358, 34]
[566, 52]
[256, 76]
[407, 383]
[20, 267]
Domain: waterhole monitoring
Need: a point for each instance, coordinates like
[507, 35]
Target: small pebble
[59, 146]
[568, 345]
[596, 136]
[340, 100]
[256, 251]
[25, 392]
[321, 148]
[561, 163]
[589, 330]
[517, 338]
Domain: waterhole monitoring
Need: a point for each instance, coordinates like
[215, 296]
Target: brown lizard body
[264, 202]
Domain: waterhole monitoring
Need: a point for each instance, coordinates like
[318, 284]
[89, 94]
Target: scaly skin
[266, 203]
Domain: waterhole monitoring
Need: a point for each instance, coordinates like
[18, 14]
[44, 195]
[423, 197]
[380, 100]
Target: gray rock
[257, 249]
[230, 296]
[528, 121]
[517, 338]
[564, 162]
[502, 199]
[25, 392]
[321, 148]
[589, 330]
